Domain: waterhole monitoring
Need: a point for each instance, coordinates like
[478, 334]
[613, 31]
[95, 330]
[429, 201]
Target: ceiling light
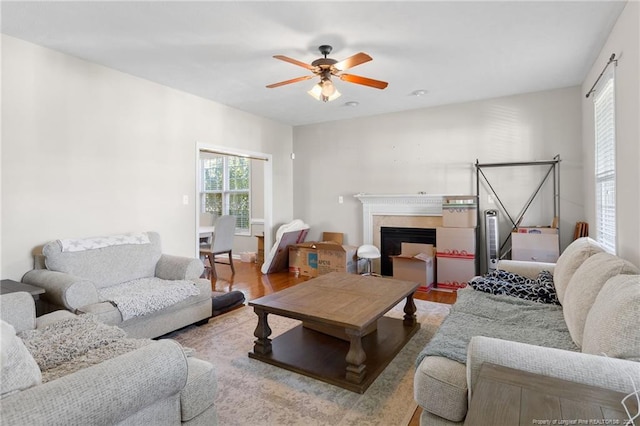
[420, 92]
[324, 91]
[352, 104]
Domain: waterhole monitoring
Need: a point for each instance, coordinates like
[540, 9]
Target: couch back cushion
[570, 260]
[584, 286]
[122, 259]
[613, 323]
[18, 369]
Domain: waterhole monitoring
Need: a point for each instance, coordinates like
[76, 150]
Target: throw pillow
[611, 327]
[540, 289]
[570, 260]
[585, 285]
[18, 369]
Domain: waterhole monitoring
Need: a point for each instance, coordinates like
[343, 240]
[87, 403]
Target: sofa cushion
[97, 265]
[440, 387]
[18, 369]
[570, 260]
[584, 286]
[611, 327]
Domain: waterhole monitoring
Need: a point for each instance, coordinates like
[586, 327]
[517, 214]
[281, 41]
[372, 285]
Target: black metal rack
[553, 170]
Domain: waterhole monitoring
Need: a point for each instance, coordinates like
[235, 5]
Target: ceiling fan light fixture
[324, 91]
[328, 88]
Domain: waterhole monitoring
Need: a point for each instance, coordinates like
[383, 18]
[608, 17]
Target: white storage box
[248, 256]
[456, 242]
[535, 247]
[454, 273]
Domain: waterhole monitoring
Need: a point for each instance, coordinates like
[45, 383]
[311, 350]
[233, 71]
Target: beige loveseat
[82, 275]
[75, 382]
[600, 314]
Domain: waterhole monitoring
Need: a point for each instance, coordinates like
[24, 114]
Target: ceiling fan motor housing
[325, 49]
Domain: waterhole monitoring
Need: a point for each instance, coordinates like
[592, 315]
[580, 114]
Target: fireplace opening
[391, 239]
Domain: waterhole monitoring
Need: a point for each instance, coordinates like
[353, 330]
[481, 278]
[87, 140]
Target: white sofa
[154, 384]
[74, 272]
[600, 297]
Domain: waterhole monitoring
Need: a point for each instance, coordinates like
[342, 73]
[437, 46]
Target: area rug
[251, 392]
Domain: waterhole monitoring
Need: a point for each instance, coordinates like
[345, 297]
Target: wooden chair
[221, 243]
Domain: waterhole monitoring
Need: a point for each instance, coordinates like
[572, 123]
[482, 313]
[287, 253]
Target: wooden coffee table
[344, 339]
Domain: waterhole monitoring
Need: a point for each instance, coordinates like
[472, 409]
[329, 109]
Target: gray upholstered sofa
[155, 383]
[82, 275]
[599, 314]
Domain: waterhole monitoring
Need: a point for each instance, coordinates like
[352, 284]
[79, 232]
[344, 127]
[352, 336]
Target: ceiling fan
[325, 68]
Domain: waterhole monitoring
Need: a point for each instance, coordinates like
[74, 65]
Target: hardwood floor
[250, 280]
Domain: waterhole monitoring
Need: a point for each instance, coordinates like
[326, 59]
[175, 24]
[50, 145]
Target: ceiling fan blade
[293, 80]
[294, 62]
[364, 81]
[352, 61]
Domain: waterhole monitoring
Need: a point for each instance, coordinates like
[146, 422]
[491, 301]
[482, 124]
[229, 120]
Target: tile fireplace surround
[408, 210]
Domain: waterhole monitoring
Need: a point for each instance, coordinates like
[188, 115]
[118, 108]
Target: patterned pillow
[540, 289]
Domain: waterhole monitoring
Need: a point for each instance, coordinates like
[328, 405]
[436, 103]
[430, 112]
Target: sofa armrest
[178, 268]
[106, 393]
[19, 310]
[63, 289]
[595, 370]
[525, 268]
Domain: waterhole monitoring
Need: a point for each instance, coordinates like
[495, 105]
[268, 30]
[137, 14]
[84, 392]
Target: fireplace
[415, 211]
[391, 239]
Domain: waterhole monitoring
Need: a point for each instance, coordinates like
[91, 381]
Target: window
[225, 189]
[605, 162]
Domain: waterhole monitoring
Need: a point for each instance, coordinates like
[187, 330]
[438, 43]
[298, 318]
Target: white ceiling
[222, 50]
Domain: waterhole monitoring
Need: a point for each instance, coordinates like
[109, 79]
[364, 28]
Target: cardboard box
[535, 247]
[317, 258]
[460, 199]
[536, 230]
[460, 211]
[415, 263]
[454, 273]
[456, 242]
[303, 259]
[260, 253]
[280, 260]
[336, 237]
[334, 257]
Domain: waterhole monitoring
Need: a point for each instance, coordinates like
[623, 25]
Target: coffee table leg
[356, 369]
[262, 345]
[410, 311]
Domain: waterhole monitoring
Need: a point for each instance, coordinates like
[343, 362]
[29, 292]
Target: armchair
[154, 384]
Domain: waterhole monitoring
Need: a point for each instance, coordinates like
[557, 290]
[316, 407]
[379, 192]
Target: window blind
[605, 162]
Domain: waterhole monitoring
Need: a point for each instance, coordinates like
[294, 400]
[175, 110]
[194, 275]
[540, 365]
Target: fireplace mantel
[396, 205]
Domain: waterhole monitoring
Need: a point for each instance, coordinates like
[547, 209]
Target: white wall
[88, 151]
[434, 150]
[624, 41]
